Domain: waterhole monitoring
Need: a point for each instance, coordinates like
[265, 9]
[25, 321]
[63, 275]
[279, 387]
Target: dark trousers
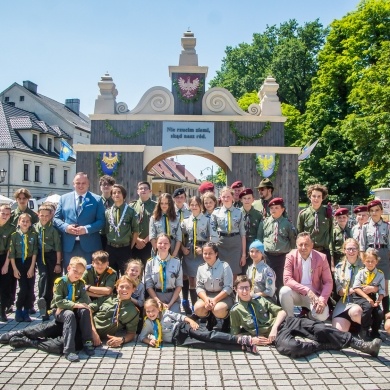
[203, 338]
[5, 285]
[26, 296]
[276, 262]
[143, 254]
[13, 282]
[47, 276]
[287, 344]
[371, 316]
[119, 257]
[73, 319]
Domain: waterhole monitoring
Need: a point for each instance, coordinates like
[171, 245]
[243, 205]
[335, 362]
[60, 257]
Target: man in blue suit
[79, 217]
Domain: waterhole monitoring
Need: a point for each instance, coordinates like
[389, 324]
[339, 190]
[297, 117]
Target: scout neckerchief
[265, 204]
[247, 222]
[254, 318]
[42, 238]
[346, 290]
[276, 230]
[377, 242]
[163, 274]
[229, 221]
[157, 332]
[181, 220]
[194, 235]
[99, 277]
[141, 213]
[254, 270]
[167, 226]
[370, 276]
[115, 315]
[116, 227]
[71, 291]
[316, 223]
[24, 246]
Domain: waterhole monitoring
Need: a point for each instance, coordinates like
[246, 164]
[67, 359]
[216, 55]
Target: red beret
[237, 184]
[276, 202]
[247, 191]
[373, 203]
[360, 209]
[341, 211]
[206, 186]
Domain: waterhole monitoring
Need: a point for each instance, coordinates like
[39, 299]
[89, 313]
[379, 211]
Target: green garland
[115, 132]
[187, 100]
[99, 167]
[240, 137]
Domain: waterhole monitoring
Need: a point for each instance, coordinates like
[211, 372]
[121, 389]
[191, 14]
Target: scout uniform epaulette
[109, 270]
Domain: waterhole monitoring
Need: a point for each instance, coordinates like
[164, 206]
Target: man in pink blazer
[307, 280]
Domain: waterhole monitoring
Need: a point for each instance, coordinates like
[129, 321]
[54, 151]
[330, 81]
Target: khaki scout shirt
[219, 220]
[264, 280]
[66, 293]
[368, 236]
[345, 274]
[5, 236]
[157, 227]
[252, 220]
[15, 247]
[52, 237]
[143, 215]
[215, 278]
[15, 214]
[277, 239]
[203, 229]
[241, 317]
[107, 320]
[128, 225]
[378, 281]
[339, 236]
[106, 279]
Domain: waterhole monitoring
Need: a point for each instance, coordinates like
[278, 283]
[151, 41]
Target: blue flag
[66, 151]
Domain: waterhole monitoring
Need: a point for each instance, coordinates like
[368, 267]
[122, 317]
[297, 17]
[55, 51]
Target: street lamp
[3, 172]
[212, 172]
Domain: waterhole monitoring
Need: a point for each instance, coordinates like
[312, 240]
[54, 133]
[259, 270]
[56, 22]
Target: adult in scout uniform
[269, 324]
[278, 235]
[179, 197]
[346, 312]
[237, 187]
[164, 275]
[361, 215]
[144, 208]
[106, 182]
[164, 220]
[121, 230]
[376, 234]
[6, 229]
[317, 220]
[99, 280]
[266, 190]
[228, 222]
[341, 232]
[206, 186]
[252, 219]
[198, 231]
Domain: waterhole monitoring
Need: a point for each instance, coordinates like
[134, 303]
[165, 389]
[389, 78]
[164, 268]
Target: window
[25, 172]
[35, 141]
[36, 173]
[49, 144]
[65, 177]
[52, 175]
[21, 98]
[6, 99]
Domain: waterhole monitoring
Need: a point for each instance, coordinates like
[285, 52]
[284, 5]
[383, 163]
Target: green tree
[219, 178]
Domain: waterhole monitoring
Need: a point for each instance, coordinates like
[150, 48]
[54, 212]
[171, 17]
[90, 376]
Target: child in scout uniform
[237, 188]
[6, 229]
[376, 234]
[106, 182]
[144, 208]
[278, 235]
[228, 222]
[367, 281]
[317, 220]
[361, 213]
[99, 279]
[49, 258]
[164, 275]
[341, 232]
[262, 276]
[22, 253]
[164, 220]
[121, 229]
[252, 219]
[209, 203]
[197, 230]
[71, 301]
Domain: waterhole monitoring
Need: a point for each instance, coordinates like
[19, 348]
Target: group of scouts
[203, 248]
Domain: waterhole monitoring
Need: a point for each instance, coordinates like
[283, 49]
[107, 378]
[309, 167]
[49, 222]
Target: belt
[167, 290]
[378, 246]
[117, 245]
[223, 234]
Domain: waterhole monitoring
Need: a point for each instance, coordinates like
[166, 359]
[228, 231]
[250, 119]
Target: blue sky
[66, 46]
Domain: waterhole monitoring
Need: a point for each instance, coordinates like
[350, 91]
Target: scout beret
[265, 183]
[237, 184]
[341, 211]
[257, 245]
[247, 191]
[375, 202]
[360, 209]
[276, 201]
[178, 191]
[206, 186]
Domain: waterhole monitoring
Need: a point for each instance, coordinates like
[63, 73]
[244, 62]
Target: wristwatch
[123, 340]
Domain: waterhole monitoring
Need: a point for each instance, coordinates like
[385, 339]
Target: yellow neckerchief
[43, 244]
[370, 276]
[229, 215]
[157, 331]
[24, 244]
[162, 272]
[167, 226]
[346, 289]
[254, 270]
[194, 227]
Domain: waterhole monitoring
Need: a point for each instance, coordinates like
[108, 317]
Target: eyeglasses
[244, 288]
[351, 249]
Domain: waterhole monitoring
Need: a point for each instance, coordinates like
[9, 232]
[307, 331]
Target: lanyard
[112, 223]
[253, 314]
[24, 247]
[115, 316]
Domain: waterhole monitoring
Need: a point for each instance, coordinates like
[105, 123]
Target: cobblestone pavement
[136, 366]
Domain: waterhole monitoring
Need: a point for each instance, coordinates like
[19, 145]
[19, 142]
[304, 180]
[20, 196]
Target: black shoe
[4, 318]
[375, 335]
[9, 310]
[89, 349]
[186, 307]
[6, 337]
[45, 318]
[23, 342]
[370, 347]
